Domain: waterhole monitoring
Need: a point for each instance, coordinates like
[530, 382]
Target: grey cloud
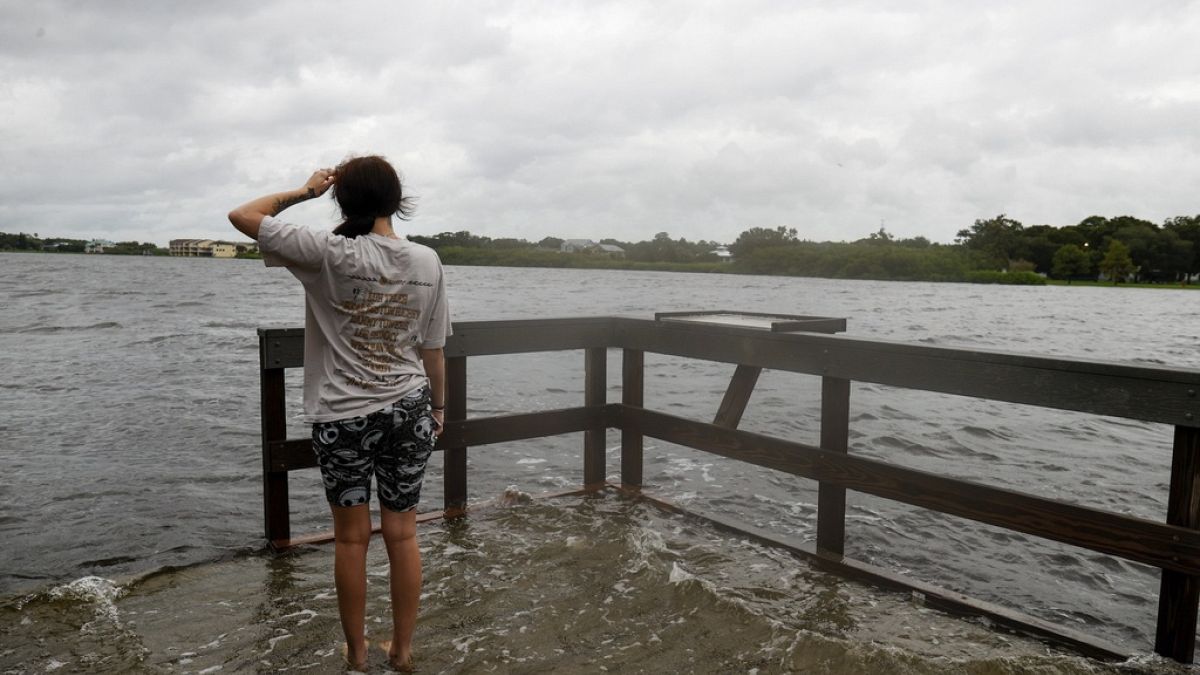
[602, 118]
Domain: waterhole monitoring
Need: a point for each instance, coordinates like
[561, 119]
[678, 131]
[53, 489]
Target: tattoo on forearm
[283, 203]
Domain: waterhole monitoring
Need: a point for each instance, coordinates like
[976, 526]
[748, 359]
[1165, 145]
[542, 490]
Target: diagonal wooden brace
[737, 396]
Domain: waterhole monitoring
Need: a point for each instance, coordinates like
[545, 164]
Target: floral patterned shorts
[393, 444]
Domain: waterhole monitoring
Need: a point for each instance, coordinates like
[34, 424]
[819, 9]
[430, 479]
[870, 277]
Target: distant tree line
[1115, 247]
[993, 250]
[661, 249]
[32, 242]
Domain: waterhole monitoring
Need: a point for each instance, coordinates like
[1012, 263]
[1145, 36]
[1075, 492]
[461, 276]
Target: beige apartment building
[209, 248]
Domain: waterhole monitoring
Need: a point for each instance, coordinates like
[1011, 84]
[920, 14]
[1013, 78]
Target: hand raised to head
[320, 181]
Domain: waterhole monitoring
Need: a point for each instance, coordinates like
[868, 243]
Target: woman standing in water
[376, 320]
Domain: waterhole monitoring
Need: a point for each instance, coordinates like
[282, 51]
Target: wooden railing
[1150, 394]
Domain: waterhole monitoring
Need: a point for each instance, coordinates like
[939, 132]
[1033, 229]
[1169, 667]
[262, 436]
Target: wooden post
[632, 394]
[454, 460]
[1179, 594]
[737, 395]
[835, 434]
[595, 367]
[276, 519]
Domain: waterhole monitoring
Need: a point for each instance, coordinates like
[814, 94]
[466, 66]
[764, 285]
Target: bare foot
[396, 661]
[356, 660]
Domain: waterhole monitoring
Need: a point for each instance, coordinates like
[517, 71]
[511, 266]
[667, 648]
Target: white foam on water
[87, 589]
[679, 575]
[97, 591]
[532, 460]
[271, 642]
[680, 468]
[308, 615]
[53, 665]
[647, 545]
[453, 550]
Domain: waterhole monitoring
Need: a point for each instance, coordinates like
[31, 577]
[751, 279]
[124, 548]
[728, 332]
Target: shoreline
[983, 277]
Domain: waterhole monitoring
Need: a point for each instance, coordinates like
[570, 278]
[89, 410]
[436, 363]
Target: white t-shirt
[370, 303]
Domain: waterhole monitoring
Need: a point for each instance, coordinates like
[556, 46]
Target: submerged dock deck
[1161, 395]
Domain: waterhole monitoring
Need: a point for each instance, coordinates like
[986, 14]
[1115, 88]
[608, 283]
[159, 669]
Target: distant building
[97, 246]
[576, 245]
[223, 249]
[722, 254]
[589, 246]
[188, 247]
[209, 248]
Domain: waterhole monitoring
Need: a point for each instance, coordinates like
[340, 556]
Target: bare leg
[400, 535]
[352, 534]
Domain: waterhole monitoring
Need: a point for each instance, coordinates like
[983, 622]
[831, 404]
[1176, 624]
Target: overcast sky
[150, 120]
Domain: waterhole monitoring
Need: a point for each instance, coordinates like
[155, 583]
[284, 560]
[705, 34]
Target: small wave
[37, 293]
[159, 339]
[896, 413]
[98, 593]
[46, 330]
[1053, 468]
[87, 589]
[982, 432]
[907, 446]
[109, 562]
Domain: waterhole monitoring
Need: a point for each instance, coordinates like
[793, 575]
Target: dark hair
[365, 189]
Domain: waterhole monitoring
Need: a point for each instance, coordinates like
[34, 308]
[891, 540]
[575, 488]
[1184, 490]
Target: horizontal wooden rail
[1170, 396]
[280, 348]
[1135, 392]
[284, 347]
[297, 453]
[483, 338]
[504, 428]
[1137, 539]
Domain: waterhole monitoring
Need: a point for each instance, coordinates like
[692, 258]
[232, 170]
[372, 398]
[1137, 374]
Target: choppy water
[130, 504]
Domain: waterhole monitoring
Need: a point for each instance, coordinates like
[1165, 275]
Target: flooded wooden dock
[755, 342]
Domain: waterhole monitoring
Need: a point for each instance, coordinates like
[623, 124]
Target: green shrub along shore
[998, 250]
[846, 263]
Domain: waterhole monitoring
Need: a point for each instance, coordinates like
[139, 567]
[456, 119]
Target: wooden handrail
[1151, 394]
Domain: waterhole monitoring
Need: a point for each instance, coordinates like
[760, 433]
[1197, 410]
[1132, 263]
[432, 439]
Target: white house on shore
[576, 245]
[722, 254]
[589, 246]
